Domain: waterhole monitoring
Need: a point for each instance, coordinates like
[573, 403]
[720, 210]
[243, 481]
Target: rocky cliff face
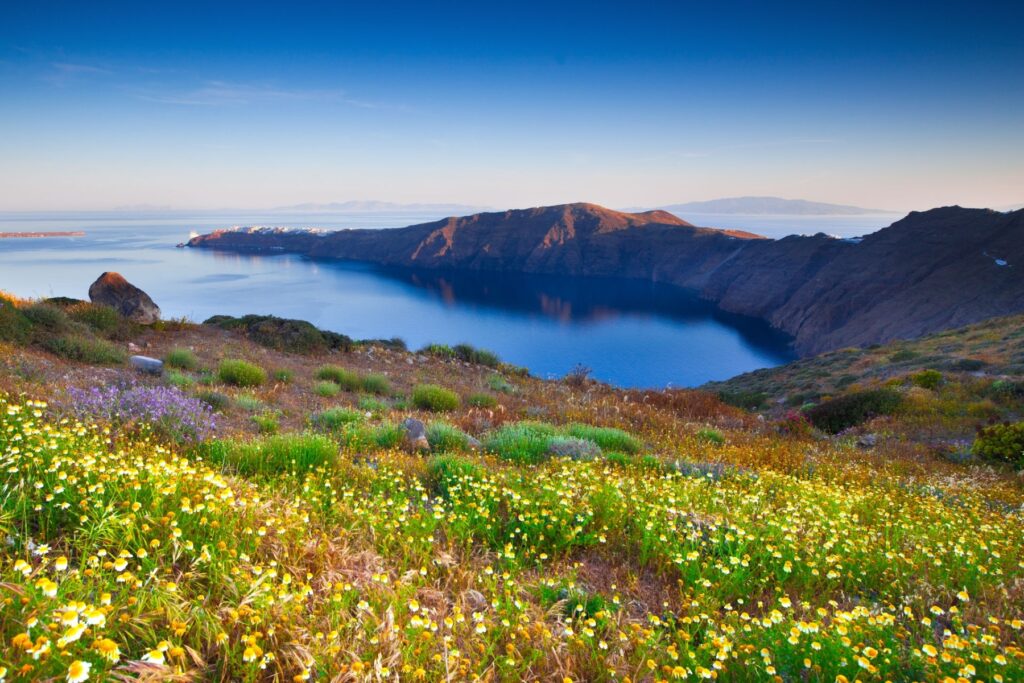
[931, 270]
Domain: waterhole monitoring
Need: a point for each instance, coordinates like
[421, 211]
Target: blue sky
[891, 105]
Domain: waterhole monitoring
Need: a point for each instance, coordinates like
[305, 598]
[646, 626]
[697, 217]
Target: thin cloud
[224, 93]
[63, 72]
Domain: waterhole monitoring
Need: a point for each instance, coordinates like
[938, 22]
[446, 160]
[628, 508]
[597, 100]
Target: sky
[893, 105]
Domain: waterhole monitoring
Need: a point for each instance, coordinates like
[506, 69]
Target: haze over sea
[635, 334]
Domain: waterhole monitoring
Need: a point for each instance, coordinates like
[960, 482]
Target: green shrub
[712, 436]
[500, 384]
[619, 459]
[84, 350]
[182, 380]
[372, 405]
[283, 376]
[267, 423]
[249, 402]
[573, 447]
[481, 400]
[445, 437]
[102, 320]
[298, 453]
[747, 400]
[444, 471]
[434, 398]
[852, 409]
[1001, 443]
[184, 359]
[439, 350]
[335, 418]
[388, 435]
[283, 334]
[1005, 389]
[346, 379]
[470, 354]
[904, 355]
[14, 326]
[47, 320]
[521, 442]
[608, 438]
[927, 379]
[376, 384]
[326, 389]
[240, 373]
[214, 399]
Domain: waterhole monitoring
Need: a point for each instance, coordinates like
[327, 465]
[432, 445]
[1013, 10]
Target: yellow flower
[108, 649]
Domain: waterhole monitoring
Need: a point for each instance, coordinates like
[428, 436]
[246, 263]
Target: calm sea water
[633, 334]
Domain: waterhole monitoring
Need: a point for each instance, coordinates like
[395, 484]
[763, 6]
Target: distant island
[23, 235]
[930, 271]
[768, 206]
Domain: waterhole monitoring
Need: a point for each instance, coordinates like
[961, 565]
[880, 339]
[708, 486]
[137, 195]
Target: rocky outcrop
[929, 271]
[111, 289]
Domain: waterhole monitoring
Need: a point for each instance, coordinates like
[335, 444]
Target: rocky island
[929, 271]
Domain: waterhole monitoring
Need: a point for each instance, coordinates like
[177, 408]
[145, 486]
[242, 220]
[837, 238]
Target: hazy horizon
[240, 105]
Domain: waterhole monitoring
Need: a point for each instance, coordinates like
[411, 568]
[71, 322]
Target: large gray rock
[111, 289]
[150, 366]
[415, 434]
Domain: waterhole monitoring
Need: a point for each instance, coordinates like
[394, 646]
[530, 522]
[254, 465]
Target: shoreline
[31, 235]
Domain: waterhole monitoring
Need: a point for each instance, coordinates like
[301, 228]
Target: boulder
[150, 366]
[111, 289]
[415, 434]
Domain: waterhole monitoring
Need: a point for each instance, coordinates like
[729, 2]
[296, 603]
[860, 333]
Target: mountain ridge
[931, 270]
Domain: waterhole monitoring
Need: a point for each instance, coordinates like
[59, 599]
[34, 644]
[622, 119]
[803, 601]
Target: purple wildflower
[168, 411]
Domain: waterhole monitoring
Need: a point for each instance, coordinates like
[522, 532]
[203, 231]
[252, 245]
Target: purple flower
[168, 411]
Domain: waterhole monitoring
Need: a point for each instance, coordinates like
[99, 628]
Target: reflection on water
[631, 333]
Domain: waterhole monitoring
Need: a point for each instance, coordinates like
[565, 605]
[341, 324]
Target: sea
[628, 333]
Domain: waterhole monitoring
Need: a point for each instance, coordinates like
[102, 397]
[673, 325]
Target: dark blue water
[630, 333]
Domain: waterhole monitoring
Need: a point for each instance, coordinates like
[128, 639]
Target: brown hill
[930, 271]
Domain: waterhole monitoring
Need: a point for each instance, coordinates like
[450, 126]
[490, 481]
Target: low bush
[376, 384]
[182, 380]
[608, 438]
[326, 389]
[183, 359]
[470, 354]
[500, 384]
[47, 320]
[335, 418]
[283, 334]
[521, 442]
[14, 326]
[847, 411]
[747, 400]
[439, 350]
[85, 350]
[240, 373]
[481, 400]
[249, 402]
[445, 437]
[346, 379]
[574, 448]
[372, 405]
[577, 375]
[267, 423]
[103, 320]
[434, 398]
[283, 376]
[215, 399]
[927, 379]
[712, 436]
[1001, 443]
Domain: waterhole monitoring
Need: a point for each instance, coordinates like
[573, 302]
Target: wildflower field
[126, 558]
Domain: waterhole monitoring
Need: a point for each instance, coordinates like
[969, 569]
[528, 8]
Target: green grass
[482, 400]
[267, 423]
[283, 376]
[444, 471]
[335, 418]
[249, 402]
[326, 388]
[608, 438]
[434, 398]
[712, 436]
[500, 384]
[214, 399]
[240, 373]
[182, 380]
[376, 384]
[346, 379]
[183, 359]
[521, 442]
[372, 405]
[85, 350]
[445, 437]
[298, 453]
